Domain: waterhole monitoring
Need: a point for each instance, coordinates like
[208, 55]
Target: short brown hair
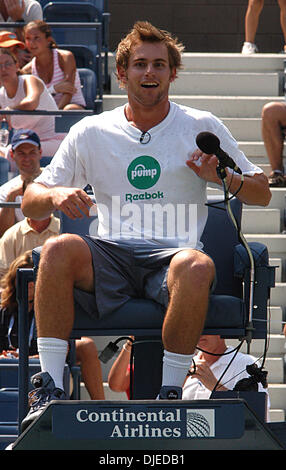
[145, 31]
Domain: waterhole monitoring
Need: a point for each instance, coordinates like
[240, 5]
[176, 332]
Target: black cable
[220, 354]
[224, 372]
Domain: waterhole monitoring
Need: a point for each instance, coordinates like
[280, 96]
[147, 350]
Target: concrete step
[220, 83]
[212, 61]
[276, 243]
[278, 264]
[277, 394]
[275, 319]
[275, 368]
[244, 129]
[232, 62]
[221, 106]
[261, 220]
[109, 394]
[276, 415]
[278, 295]
[277, 200]
[275, 347]
[227, 83]
[254, 149]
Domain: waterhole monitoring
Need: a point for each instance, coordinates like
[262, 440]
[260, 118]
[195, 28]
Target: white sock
[53, 353]
[175, 368]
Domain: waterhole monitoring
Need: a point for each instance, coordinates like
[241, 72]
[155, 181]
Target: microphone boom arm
[249, 328]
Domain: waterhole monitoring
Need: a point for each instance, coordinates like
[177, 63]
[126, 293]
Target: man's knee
[66, 251]
[274, 112]
[193, 265]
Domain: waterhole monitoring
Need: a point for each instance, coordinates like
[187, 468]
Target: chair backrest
[88, 81]
[83, 55]
[219, 238]
[84, 226]
[45, 161]
[99, 4]
[4, 170]
[87, 36]
[70, 12]
[68, 119]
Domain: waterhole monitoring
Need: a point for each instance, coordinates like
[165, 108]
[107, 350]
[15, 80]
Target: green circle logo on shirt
[143, 172]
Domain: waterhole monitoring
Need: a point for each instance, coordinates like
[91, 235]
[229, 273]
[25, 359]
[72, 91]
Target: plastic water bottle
[4, 133]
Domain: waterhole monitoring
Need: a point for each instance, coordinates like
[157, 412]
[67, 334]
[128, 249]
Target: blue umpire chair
[229, 314]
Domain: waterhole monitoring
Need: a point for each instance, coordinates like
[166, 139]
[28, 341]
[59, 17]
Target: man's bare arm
[40, 201]
[254, 190]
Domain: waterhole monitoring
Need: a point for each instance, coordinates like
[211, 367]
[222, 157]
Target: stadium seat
[80, 35]
[72, 11]
[228, 313]
[83, 55]
[78, 12]
[4, 170]
[8, 434]
[88, 82]
[103, 16]
[45, 161]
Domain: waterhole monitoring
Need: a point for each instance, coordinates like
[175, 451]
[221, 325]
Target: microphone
[210, 144]
[145, 138]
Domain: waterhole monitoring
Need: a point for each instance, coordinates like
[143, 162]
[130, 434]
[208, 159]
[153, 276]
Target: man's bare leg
[65, 263]
[190, 276]
[273, 120]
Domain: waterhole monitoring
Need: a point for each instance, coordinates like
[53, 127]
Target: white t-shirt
[144, 190]
[33, 11]
[44, 126]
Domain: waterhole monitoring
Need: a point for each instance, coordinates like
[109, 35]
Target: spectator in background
[253, 11]
[26, 152]
[14, 11]
[86, 352]
[9, 40]
[273, 133]
[56, 67]
[27, 93]
[119, 374]
[23, 236]
[212, 360]
[9, 308]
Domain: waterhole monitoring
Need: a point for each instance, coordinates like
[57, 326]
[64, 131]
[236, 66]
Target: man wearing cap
[9, 40]
[26, 153]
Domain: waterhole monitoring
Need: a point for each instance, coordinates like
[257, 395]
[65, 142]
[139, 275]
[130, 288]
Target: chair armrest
[241, 258]
[261, 260]
[264, 280]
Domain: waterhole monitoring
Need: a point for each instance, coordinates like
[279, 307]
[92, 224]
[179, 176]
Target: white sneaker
[249, 48]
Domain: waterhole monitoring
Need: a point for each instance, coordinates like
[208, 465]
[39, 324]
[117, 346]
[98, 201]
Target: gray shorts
[122, 271]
